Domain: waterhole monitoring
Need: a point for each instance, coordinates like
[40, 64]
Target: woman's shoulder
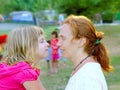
[90, 75]
[88, 69]
[91, 67]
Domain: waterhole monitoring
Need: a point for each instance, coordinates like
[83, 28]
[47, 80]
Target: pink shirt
[54, 46]
[13, 77]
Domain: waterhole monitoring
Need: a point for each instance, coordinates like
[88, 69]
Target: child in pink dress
[25, 47]
[55, 54]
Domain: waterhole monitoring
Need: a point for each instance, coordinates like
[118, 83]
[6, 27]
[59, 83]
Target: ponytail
[95, 48]
[101, 55]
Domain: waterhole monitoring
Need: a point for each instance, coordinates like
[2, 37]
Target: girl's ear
[82, 42]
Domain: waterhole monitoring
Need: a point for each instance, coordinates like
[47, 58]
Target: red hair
[83, 27]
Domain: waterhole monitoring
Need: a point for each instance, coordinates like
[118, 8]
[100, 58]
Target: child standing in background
[26, 46]
[55, 54]
[49, 57]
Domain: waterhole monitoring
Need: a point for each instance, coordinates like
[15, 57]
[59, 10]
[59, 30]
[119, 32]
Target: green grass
[59, 81]
[110, 31]
[113, 78]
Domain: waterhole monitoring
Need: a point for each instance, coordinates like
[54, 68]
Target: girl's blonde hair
[83, 27]
[22, 43]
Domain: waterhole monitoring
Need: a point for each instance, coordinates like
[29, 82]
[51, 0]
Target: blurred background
[39, 11]
[105, 14]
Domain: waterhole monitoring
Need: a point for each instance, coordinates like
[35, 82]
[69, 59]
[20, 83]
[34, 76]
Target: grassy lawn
[59, 81]
[113, 78]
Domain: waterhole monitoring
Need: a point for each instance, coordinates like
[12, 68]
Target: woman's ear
[82, 42]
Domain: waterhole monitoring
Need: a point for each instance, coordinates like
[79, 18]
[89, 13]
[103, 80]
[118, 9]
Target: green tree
[86, 7]
[77, 7]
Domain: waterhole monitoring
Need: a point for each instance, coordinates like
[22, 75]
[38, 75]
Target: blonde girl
[26, 46]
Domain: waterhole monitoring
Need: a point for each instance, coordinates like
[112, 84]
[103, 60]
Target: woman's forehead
[65, 30]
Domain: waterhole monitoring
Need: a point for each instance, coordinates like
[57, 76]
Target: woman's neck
[78, 58]
[78, 64]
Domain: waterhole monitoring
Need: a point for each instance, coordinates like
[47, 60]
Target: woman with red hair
[81, 43]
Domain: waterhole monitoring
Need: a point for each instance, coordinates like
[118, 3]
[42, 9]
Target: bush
[107, 17]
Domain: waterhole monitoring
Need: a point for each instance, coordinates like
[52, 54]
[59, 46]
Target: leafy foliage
[77, 7]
